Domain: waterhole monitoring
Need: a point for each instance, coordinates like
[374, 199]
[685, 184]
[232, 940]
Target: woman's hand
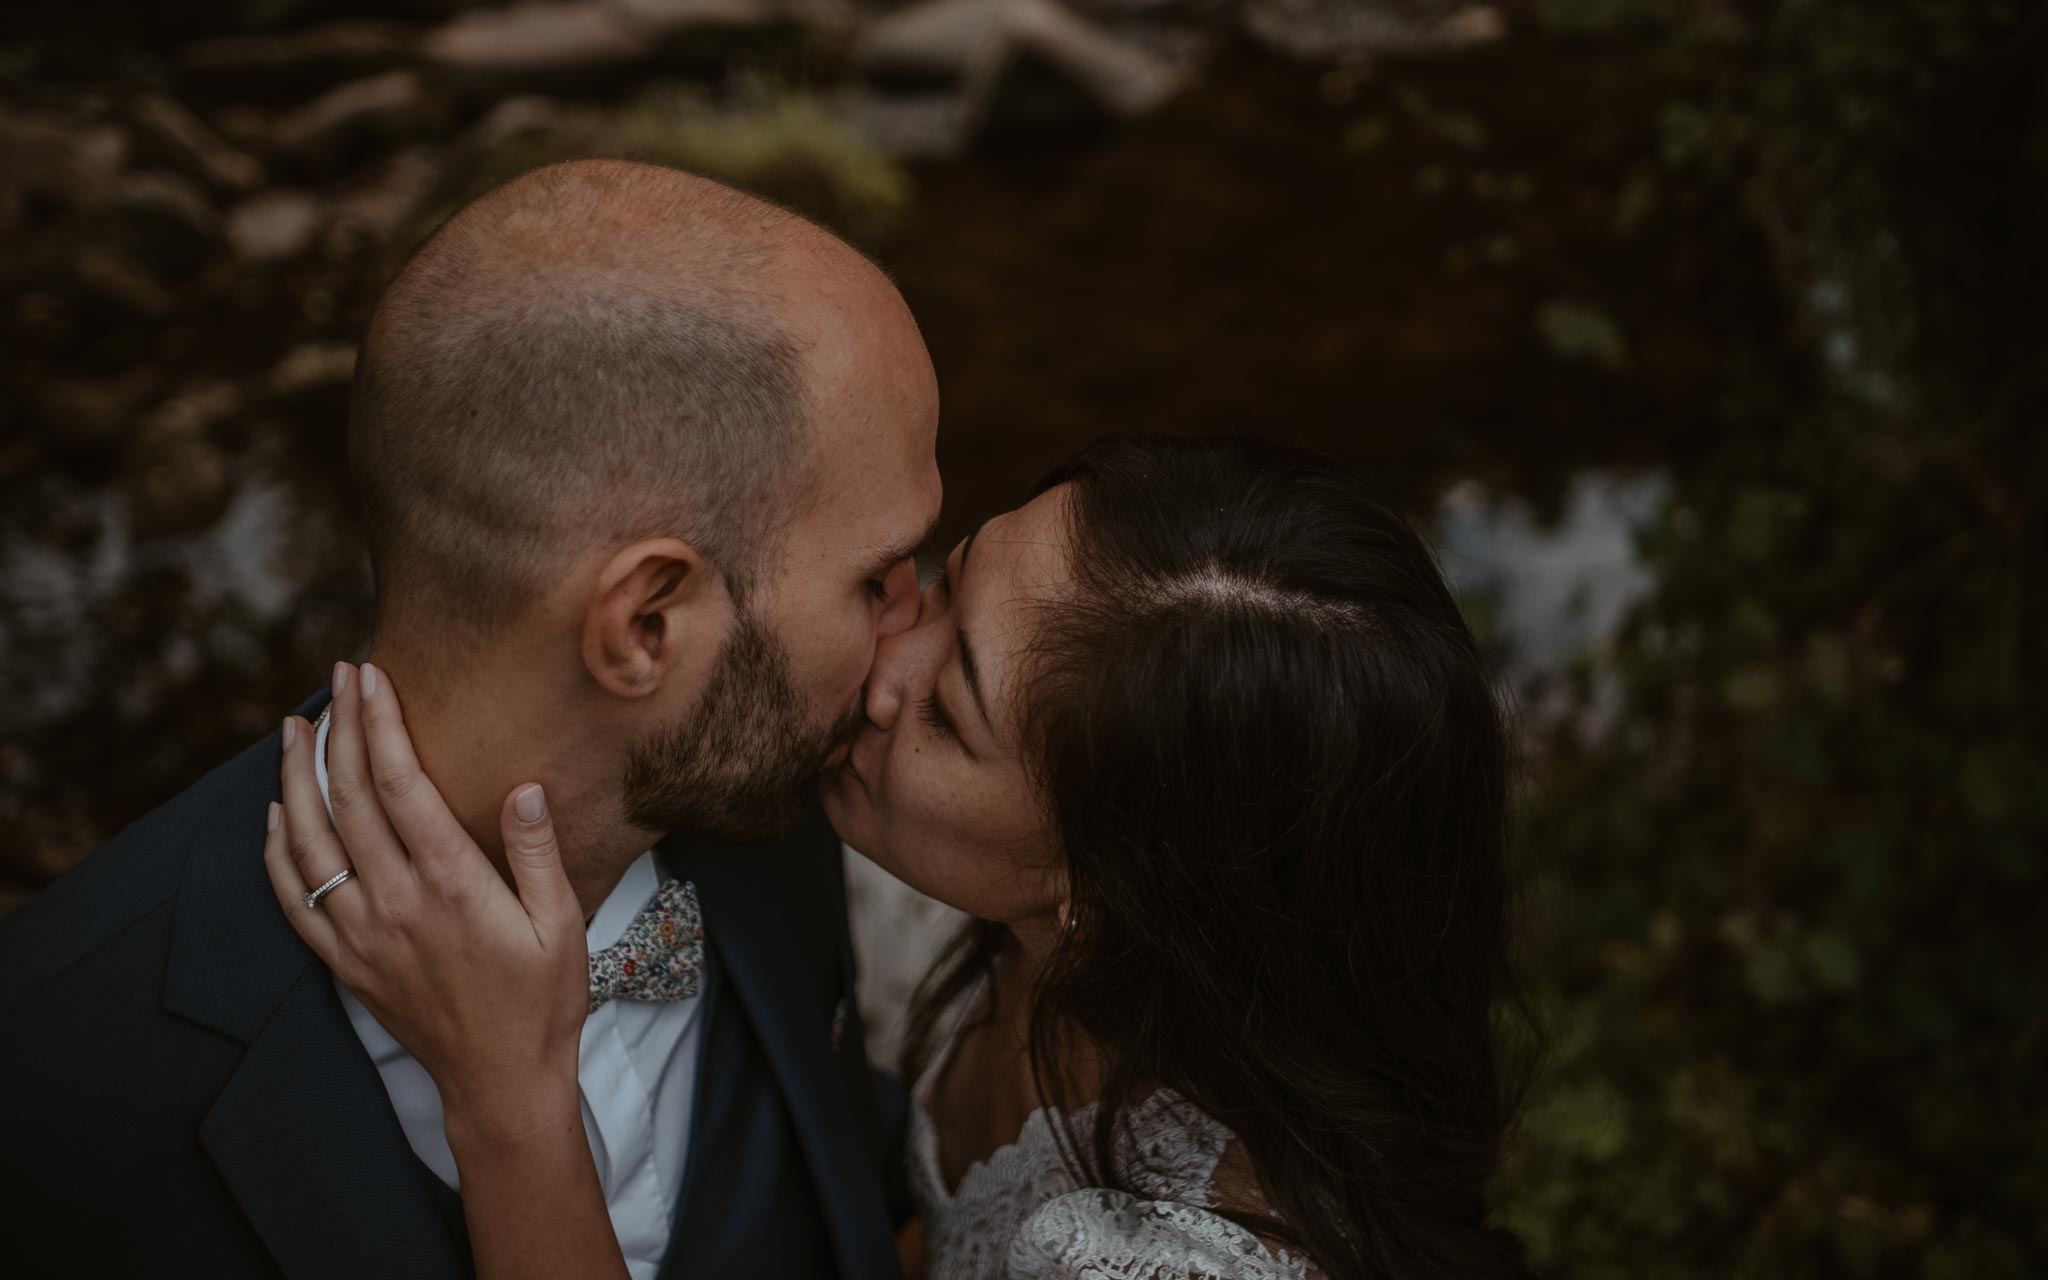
[486, 989]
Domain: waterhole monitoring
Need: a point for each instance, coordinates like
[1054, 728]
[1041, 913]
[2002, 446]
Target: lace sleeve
[1111, 1235]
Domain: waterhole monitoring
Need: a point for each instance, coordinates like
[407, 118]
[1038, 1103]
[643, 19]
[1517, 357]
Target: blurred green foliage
[1583, 332]
[790, 146]
[1789, 888]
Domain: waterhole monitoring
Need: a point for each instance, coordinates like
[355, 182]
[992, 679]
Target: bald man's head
[594, 352]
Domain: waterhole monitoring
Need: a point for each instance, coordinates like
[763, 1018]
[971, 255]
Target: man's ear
[654, 603]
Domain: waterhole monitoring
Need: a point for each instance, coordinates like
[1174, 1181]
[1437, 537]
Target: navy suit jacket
[185, 1095]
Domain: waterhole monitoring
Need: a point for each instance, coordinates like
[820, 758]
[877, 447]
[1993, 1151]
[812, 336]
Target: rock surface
[274, 225]
[167, 133]
[538, 43]
[56, 159]
[392, 105]
[109, 276]
[166, 222]
[384, 206]
[1023, 67]
[290, 66]
[1320, 30]
[669, 18]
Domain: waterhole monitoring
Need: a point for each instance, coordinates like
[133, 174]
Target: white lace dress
[1019, 1215]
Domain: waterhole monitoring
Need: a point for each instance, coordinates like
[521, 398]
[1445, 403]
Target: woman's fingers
[314, 850]
[413, 805]
[359, 815]
[316, 929]
[536, 863]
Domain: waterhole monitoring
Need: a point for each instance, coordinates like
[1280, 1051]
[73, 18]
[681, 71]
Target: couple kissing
[522, 950]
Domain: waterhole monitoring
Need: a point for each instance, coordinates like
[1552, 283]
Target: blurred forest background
[1705, 334]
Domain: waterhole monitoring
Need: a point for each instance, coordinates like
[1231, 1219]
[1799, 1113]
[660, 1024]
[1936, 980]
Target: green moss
[790, 147]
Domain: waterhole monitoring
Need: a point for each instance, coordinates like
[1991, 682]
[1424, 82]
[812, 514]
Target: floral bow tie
[660, 958]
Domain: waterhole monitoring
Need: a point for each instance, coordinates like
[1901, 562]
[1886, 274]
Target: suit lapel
[772, 954]
[305, 1137]
[302, 1132]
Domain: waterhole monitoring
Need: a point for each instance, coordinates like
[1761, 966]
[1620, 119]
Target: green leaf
[1833, 960]
[1582, 333]
[1368, 133]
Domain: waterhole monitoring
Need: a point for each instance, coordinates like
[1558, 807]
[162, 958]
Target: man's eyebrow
[894, 555]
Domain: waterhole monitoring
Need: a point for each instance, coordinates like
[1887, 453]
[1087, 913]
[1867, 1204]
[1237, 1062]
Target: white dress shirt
[636, 1075]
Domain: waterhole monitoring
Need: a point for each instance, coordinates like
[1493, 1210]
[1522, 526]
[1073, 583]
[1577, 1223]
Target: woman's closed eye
[929, 711]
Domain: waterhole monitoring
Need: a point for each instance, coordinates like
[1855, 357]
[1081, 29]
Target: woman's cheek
[908, 791]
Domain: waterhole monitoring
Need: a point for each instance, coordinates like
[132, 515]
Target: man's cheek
[856, 655]
[840, 673]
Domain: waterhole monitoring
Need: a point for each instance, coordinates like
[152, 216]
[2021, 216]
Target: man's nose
[899, 600]
[885, 684]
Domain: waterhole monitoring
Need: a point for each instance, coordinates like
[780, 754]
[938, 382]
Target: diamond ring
[333, 883]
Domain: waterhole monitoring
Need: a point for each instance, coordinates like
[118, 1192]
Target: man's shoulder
[817, 847]
[130, 876]
[810, 865]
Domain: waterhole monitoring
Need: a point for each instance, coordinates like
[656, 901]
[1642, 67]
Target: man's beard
[740, 766]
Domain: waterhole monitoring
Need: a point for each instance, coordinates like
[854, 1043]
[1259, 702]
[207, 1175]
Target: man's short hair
[572, 362]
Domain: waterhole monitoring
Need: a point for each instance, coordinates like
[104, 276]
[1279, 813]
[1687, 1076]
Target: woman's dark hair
[1275, 765]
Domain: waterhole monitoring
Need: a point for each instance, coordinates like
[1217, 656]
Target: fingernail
[340, 678]
[291, 731]
[530, 804]
[275, 813]
[369, 681]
